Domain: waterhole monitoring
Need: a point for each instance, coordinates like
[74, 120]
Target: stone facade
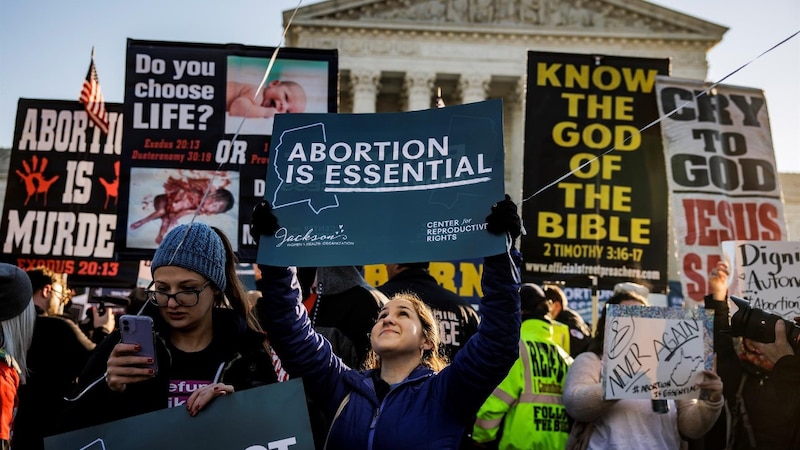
[395, 54]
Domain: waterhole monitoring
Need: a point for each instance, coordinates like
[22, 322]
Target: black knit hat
[531, 296]
[15, 291]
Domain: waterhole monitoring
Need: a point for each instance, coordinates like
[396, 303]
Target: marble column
[514, 112]
[473, 87]
[365, 84]
[345, 94]
[418, 90]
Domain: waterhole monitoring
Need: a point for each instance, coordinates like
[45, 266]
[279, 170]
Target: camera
[759, 325]
[101, 301]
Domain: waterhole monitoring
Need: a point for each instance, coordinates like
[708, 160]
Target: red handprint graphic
[112, 187]
[34, 180]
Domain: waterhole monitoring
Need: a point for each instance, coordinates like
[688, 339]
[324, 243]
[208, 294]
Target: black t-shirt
[191, 371]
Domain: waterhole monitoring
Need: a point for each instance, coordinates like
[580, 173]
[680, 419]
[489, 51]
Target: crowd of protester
[407, 365]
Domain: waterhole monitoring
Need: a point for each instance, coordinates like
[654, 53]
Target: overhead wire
[239, 128]
[660, 119]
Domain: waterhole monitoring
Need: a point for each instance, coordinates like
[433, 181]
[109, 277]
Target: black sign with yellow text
[594, 184]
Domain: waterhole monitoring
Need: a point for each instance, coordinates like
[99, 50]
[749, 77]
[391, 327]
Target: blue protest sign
[268, 417]
[351, 189]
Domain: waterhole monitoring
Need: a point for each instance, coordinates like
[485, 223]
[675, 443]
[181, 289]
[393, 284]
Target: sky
[45, 47]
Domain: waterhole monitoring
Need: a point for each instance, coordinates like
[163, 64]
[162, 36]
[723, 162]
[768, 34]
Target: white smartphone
[139, 330]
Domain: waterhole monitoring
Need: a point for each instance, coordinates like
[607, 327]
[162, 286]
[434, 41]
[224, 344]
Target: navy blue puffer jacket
[427, 410]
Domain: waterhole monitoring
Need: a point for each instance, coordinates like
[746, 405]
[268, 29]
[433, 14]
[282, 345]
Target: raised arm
[303, 352]
[488, 355]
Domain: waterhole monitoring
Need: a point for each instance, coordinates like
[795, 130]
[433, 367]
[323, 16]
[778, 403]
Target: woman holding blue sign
[207, 343]
[408, 398]
[632, 423]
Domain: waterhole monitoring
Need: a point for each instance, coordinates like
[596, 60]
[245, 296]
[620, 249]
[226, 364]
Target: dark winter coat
[770, 399]
[247, 364]
[58, 352]
[425, 411]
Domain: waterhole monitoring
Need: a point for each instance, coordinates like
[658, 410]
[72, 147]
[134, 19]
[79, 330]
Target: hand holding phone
[139, 330]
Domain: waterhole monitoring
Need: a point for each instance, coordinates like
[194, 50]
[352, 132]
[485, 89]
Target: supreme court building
[395, 54]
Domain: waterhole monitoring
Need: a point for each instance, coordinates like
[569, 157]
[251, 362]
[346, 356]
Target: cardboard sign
[655, 353]
[766, 273]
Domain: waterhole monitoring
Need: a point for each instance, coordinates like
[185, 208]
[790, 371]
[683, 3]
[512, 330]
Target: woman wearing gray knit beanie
[208, 343]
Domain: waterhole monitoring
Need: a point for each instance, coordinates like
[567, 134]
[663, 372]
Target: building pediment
[635, 17]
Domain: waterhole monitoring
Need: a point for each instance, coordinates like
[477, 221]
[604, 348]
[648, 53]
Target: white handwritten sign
[767, 273]
[655, 353]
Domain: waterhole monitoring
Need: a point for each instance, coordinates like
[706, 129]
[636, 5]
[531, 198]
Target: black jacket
[58, 352]
[346, 319]
[579, 333]
[247, 364]
[771, 399]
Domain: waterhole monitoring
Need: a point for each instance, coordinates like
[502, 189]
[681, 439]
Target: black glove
[263, 221]
[504, 218]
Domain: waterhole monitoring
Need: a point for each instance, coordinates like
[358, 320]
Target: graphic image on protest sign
[184, 105]
[593, 183]
[371, 188]
[766, 273]
[165, 199]
[655, 353]
[721, 173]
[272, 417]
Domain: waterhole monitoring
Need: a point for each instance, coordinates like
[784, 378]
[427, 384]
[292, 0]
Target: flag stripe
[92, 99]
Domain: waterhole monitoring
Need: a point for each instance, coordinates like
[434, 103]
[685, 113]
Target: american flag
[92, 98]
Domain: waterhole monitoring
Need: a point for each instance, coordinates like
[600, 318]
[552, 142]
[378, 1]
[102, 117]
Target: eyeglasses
[189, 297]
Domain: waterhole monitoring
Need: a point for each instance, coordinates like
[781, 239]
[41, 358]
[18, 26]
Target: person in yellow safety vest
[528, 401]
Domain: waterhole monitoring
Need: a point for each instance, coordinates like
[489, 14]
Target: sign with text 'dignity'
[351, 189]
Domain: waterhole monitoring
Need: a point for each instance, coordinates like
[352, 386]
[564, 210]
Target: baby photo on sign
[293, 86]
